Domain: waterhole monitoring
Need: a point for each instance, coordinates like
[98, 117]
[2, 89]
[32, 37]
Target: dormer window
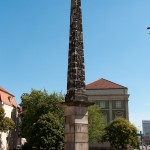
[10, 99]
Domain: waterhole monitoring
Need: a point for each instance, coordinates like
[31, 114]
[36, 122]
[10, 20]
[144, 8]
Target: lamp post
[148, 29]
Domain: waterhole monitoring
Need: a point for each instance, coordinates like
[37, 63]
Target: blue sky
[34, 39]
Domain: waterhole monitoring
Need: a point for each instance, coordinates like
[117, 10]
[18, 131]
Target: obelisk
[76, 100]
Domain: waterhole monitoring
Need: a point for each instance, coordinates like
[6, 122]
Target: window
[104, 118]
[118, 104]
[10, 99]
[102, 104]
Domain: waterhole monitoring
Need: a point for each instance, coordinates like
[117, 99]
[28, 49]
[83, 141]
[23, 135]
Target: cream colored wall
[8, 110]
[107, 92]
[111, 95]
[107, 97]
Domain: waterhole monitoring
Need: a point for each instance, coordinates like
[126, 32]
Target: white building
[9, 140]
[146, 127]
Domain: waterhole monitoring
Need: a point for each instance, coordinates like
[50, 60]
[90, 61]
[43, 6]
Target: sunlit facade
[111, 97]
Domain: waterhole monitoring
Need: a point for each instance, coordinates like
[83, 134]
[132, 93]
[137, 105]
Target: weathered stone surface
[81, 137]
[76, 114]
[76, 73]
[76, 119]
[81, 146]
[69, 146]
[76, 127]
[77, 146]
[69, 138]
[81, 119]
[75, 110]
[71, 128]
[81, 111]
[76, 137]
[76, 100]
[82, 128]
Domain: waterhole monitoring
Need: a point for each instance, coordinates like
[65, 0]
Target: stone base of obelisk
[76, 128]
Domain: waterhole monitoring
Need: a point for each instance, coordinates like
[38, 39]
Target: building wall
[146, 127]
[8, 140]
[113, 102]
[107, 92]
[8, 110]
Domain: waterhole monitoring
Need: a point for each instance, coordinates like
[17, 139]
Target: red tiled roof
[104, 84]
[2, 89]
[5, 98]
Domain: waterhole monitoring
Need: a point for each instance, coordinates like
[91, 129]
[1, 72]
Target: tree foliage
[43, 120]
[95, 124]
[121, 133]
[5, 122]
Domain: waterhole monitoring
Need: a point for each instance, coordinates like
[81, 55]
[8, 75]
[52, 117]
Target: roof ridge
[7, 99]
[104, 84]
[2, 89]
[114, 83]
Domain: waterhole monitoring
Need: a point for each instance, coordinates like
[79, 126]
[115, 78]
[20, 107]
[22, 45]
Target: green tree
[5, 122]
[43, 120]
[121, 133]
[95, 124]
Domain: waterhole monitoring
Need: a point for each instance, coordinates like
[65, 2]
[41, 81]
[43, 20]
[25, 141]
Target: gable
[7, 98]
[104, 84]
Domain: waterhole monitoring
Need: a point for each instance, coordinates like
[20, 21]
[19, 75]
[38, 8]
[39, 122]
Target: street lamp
[148, 29]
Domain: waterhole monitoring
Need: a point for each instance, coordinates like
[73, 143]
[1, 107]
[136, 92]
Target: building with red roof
[7, 98]
[113, 100]
[111, 97]
[104, 84]
[10, 139]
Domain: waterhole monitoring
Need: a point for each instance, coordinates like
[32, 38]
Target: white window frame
[118, 104]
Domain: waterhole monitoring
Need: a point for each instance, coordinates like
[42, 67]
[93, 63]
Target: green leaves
[5, 122]
[43, 120]
[121, 133]
[95, 125]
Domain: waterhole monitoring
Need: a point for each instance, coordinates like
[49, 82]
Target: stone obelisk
[76, 100]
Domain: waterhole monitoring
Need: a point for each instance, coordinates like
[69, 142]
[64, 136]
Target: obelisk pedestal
[76, 128]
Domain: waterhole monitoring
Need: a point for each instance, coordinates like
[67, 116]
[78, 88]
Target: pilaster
[110, 110]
